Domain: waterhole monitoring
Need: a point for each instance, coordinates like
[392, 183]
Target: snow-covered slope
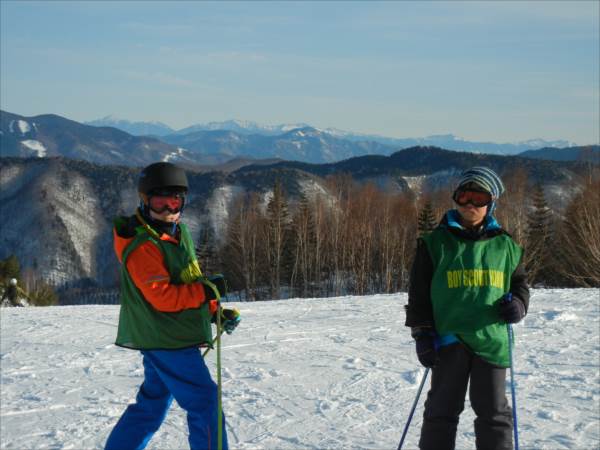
[336, 373]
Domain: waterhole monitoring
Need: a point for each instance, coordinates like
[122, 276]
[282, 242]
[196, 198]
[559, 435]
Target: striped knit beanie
[485, 178]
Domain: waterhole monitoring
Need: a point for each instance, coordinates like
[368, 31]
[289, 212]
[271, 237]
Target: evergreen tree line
[360, 240]
[29, 285]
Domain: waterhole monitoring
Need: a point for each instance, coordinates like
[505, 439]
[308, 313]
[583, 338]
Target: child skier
[166, 312]
[11, 293]
[458, 310]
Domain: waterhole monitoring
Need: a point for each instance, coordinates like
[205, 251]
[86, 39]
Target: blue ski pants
[171, 374]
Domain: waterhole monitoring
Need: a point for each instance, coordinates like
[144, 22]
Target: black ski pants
[457, 366]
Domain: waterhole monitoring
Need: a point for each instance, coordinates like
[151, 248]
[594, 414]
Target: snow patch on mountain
[9, 177]
[559, 196]
[175, 156]
[78, 205]
[415, 184]
[117, 154]
[219, 207]
[15, 178]
[23, 126]
[310, 188]
[36, 146]
[423, 183]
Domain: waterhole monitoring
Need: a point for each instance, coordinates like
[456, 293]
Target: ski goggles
[172, 202]
[476, 198]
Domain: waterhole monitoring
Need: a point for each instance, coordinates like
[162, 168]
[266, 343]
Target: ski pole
[414, 406]
[219, 383]
[207, 282]
[217, 339]
[511, 340]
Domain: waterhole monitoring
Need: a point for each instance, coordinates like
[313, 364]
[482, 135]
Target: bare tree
[319, 216]
[241, 250]
[580, 237]
[303, 229]
[336, 245]
[512, 209]
[276, 236]
[360, 235]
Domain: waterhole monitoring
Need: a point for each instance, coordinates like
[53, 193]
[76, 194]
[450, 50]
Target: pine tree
[426, 220]
[539, 238]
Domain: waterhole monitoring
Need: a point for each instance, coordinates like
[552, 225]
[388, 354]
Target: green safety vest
[468, 279]
[143, 327]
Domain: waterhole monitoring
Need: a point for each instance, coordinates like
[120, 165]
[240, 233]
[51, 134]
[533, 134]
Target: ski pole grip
[508, 297]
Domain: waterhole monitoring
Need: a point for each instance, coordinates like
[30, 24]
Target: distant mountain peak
[304, 132]
[135, 128]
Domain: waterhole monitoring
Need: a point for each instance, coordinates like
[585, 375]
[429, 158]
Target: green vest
[143, 327]
[468, 279]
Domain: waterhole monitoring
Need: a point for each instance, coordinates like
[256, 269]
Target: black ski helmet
[162, 175]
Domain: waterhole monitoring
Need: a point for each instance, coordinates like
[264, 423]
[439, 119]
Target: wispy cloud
[158, 29]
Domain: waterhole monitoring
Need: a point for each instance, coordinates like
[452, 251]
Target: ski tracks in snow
[337, 373]
[328, 376]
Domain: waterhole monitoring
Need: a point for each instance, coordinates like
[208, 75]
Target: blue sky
[492, 71]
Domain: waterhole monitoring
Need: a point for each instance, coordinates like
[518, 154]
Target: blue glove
[230, 319]
[511, 309]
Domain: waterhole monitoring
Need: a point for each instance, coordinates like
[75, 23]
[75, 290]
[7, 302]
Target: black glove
[425, 342]
[511, 311]
[220, 284]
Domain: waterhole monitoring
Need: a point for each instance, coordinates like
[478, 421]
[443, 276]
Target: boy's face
[472, 215]
[165, 205]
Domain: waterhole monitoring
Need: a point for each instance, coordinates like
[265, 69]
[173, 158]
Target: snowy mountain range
[245, 127]
[133, 128]
[52, 135]
[299, 144]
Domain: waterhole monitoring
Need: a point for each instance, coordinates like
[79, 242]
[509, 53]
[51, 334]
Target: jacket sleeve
[518, 285]
[147, 269]
[419, 311]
